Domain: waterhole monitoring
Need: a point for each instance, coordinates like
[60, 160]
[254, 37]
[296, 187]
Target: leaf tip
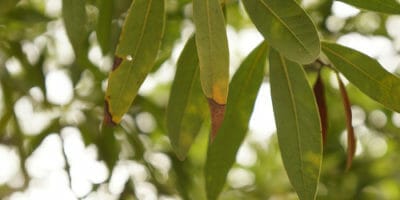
[217, 116]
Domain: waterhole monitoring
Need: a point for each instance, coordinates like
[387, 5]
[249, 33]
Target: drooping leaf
[212, 48]
[103, 29]
[319, 92]
[365, 73]
[298, 124]
[243, 92]
[187, 105]
[286, 27]
[135, 54]
[74, 16]
[384, 6]
[351, 138]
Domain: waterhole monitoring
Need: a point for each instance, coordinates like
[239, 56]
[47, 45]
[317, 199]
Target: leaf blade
[212, 47]
[296, 112]
[135, 54]
[351, 138]
[365, 73]
[186, 107]
[387, 6]
[243, 91]
[287, 27]
[319, 92]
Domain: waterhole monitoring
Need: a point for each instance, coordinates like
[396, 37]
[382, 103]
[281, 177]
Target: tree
[184, 135]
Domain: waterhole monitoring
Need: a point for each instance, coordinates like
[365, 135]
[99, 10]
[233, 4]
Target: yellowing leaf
[135, 54]
[212, 47]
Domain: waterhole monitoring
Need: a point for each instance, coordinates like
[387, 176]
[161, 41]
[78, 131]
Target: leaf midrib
[358, 68]
[294, 107]
[145, 23]
[285, 25]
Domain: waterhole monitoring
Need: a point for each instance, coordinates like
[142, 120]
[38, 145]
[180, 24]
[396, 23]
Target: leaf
[103, 29]
[365, 73]
[74, 16]
[135, 54]
[212, 47]
[7, 5]
[243, 92]
[384, 6]
[286, 27]
[298, 125]
[319, 92]
[186, 106]
[351, 138]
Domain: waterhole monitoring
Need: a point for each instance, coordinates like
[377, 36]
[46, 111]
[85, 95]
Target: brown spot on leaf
[217, 116]
[107, 120]
[351, 138]
[117, 63]
[319, 92]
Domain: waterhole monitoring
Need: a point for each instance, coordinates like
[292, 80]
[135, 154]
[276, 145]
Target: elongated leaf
[212, 48]
[103, 29]
[286, 26]
[137, 49]
[74, 15]
[365, 73]
[351, 138]
[384, 6]
[319, 92]
[187, 106]
[243, 92]
[298, 125]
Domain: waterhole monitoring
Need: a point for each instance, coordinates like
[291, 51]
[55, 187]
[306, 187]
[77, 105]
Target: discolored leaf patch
[217, 116]
[107, 120]
[117, 62]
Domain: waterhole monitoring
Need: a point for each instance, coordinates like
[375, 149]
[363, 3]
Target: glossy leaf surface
[135, 54]
[187, 107]
[286, 27]
[243, 92]
[365, 73]
[298, 124]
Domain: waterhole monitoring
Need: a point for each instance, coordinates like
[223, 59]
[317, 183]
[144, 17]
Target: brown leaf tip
[217, 116]
[107, 120]
[117, 63]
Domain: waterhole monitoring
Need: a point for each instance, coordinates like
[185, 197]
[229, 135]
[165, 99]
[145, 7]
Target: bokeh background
[51, 108]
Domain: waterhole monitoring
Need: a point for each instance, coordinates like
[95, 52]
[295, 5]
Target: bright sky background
[46, 165]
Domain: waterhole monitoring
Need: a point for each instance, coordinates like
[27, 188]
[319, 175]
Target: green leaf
[243, 92]
[135, 54]
[286, 27]
[212, 47]
[187, 107]
[74, 15]
[384, 6]
[104, 29]
[298, 125]
[365, 73]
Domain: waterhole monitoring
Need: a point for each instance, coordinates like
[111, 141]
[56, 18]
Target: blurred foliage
[30, 51]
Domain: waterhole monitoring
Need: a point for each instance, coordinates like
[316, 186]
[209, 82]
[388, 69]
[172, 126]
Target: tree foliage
[317, 84]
